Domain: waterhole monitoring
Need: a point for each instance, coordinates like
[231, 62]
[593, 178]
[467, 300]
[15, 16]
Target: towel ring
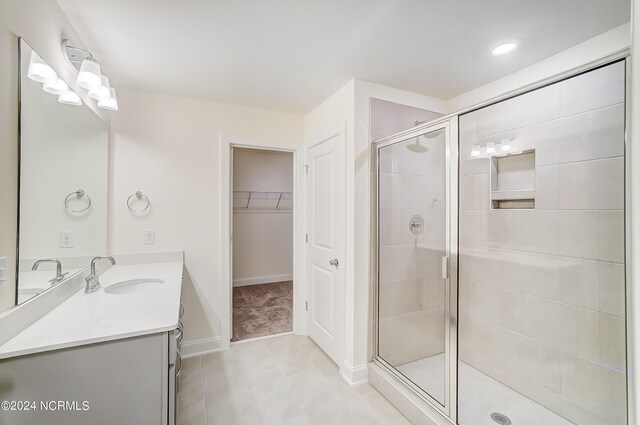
[79, 194]
[139, 195]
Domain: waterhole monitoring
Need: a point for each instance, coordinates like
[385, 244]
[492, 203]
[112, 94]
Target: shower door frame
[450, 125]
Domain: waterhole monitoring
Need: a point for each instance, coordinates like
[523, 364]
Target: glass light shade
[475, 151]
[55, 86]
[111, 102]
[39, 70]
[505, 146]
[69, 98]
[101, 91]
[89, 75]
[490, 149]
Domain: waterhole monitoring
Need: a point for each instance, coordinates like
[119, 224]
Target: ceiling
[290, 55]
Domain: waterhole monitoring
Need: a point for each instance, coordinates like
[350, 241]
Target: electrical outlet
[149, 236]
[67, 239]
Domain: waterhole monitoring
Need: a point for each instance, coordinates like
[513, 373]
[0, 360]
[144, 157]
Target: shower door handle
[445, 267]
[334, 262]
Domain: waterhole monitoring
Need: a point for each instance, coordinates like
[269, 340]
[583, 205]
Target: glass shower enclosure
[500, 256]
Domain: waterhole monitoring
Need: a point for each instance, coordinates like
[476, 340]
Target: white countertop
[90, 318]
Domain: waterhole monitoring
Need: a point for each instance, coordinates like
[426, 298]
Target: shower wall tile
[611, 288]
[539, 106]
[578, 235]
[610, 191]
[433, 294]
[399, 262]
[411, 331]
[612, 341]
[474, 192]
[594, 387]
[593, 90]
[401, 297]
[578, 283]
[547, 188]
[578, 185]
[589, 334]
[611, 236]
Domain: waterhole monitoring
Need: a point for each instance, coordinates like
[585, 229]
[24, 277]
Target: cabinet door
[124, 382]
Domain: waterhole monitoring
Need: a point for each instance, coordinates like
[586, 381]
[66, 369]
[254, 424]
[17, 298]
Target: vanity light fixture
[475, 151]
[70, 98]
[490, 149]
[39, 70]
[55, 86]
[90, 76]
[101, 91]
[111, 102]
[504, 49]
[505, 146]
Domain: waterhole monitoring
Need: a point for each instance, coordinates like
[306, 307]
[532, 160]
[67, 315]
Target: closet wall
[262, 216]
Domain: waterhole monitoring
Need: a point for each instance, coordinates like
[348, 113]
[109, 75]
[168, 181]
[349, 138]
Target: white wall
[43, 26]
[169, 147]
[262, 235]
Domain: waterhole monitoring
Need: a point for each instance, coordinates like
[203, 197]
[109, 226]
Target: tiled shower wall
[411, 289]
[542, 291]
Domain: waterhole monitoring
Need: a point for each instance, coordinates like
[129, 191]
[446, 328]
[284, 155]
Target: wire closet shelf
[262, 201]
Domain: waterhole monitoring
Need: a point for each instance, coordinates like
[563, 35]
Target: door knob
[334, 262]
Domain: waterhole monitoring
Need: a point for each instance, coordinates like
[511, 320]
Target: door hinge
[306, 306]
[306, 237]
[306, 169]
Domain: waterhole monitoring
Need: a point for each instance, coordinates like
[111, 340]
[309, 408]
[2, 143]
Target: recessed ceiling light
[503, 49]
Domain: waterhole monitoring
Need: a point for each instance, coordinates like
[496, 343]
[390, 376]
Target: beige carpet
[260, 310]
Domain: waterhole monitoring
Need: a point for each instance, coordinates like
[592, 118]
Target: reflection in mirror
[63, 179]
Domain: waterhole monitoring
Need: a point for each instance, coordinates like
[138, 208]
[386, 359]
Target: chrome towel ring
[79, 194]
[140, 196]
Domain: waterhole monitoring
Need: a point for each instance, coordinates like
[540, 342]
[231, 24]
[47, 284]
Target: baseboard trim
[201, 346]
[354, 375]
[262, 279]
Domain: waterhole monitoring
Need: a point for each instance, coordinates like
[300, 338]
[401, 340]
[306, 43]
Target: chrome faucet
[59, 275]
[93, 284]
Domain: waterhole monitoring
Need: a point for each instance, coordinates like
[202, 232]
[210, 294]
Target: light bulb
[111, 102]
[70, 98]
[55, 86]
[101, 91]
[39, 70]
[503, 49]
[89, 75]
[475, 151]
[490, 149]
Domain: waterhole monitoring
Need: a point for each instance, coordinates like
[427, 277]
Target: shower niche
[513, 181]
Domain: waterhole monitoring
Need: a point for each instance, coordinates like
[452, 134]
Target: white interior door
[325, 289]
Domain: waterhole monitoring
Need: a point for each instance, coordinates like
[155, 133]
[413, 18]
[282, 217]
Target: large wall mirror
[63, 180]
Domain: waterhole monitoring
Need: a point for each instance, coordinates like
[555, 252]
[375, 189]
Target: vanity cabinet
[124, 381]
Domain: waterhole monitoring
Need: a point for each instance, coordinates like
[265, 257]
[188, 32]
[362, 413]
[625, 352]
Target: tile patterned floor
[282, 380]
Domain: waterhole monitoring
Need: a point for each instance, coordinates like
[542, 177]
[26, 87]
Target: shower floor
[479, 395]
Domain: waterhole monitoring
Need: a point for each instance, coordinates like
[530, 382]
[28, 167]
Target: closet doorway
[262, 243]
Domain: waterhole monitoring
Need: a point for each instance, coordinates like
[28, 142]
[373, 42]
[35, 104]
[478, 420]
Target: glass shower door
[412, 278]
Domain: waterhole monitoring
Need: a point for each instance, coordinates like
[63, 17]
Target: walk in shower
[500, 254]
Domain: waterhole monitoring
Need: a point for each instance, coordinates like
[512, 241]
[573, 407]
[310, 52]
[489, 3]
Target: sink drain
[501, 419]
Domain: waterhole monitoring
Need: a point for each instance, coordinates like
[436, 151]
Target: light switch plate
[149, 236]
[67, 239]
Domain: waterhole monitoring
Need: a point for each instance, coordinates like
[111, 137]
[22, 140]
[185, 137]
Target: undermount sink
[133, 286]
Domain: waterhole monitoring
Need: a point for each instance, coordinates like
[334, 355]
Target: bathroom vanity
[107, 357]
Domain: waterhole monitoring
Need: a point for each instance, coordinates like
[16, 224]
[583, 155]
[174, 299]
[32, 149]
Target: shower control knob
[334, 262]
